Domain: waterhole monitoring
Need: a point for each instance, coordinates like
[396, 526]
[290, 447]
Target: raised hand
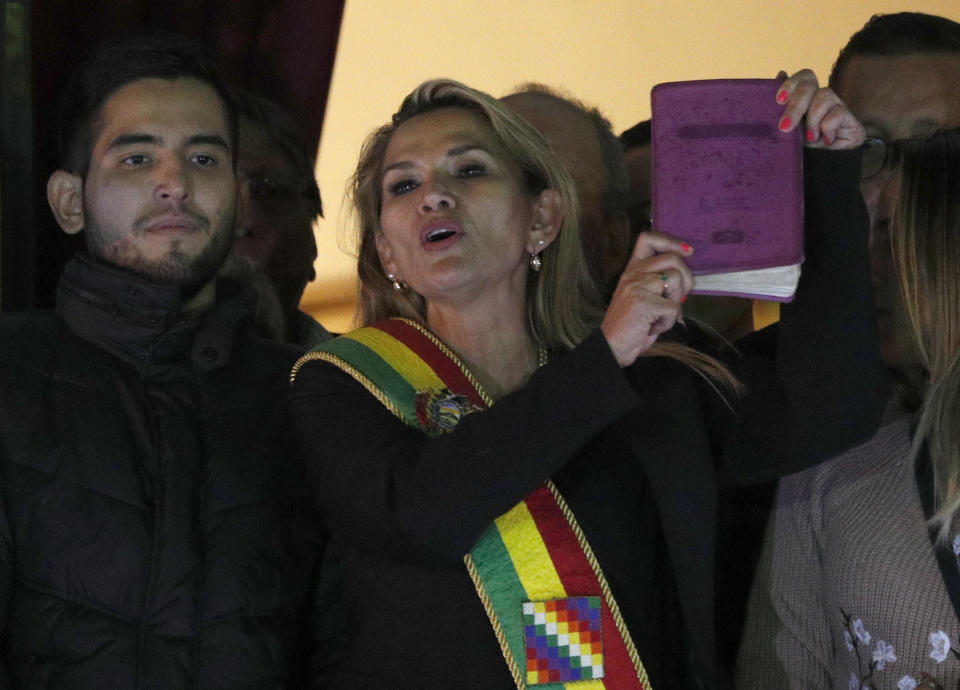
[826, 121]
[647, 300]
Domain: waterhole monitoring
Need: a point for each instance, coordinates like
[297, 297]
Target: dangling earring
[397, 285]
[535, 262]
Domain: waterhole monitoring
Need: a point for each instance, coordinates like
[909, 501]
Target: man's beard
[176, 267]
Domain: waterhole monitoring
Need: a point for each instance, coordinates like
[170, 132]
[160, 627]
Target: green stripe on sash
[393, 385]
[502, 585]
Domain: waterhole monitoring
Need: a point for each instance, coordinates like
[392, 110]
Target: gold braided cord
[495, 622]
[604, 587]
[352, 371]
[487, 400]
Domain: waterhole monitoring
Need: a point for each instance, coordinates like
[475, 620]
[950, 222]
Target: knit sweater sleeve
[786, 643]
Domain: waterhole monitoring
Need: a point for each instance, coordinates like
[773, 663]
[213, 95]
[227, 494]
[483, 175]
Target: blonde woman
[860, 583]
[521, 485]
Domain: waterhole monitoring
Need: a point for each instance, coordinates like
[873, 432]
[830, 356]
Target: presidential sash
[548, 601]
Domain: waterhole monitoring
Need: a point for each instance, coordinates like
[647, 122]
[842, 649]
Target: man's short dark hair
[118, 63]
[284, 133]
[637, 136]
[903, 33]
[616, 181]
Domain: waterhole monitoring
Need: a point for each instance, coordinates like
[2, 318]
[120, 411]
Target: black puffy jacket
[155, 530]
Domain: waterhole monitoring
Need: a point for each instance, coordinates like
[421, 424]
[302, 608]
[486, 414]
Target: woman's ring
[666, 286]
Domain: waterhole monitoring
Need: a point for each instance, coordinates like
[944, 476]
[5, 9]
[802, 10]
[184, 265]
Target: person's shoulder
[322, 361]
[29, 321]
[882, 459]
[31, 356]
[269, 354]
[27, 335]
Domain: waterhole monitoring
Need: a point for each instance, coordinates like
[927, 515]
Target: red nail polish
[810, 136]
[683, 299]
[782, 96]
[785, 123]
[825, 140]
[685, 247]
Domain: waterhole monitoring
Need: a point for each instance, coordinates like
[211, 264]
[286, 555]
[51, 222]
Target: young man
[155, 530]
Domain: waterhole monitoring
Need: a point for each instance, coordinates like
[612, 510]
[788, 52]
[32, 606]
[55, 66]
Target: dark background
[282, 49]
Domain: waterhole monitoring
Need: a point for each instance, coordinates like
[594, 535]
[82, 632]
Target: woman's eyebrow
[455, 151]
[398, 164]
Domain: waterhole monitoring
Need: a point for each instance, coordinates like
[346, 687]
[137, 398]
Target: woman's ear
[547, 219]
[386, 257]
[65, 196]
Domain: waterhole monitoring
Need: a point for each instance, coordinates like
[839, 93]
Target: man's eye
[271, 189]
[135, 159]
[401, 187]
[204, 160]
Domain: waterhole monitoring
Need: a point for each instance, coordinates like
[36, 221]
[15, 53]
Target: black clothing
[155, 531]
[639, 454]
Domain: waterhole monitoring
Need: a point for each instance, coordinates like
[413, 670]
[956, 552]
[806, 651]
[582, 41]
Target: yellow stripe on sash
[529, 554]
[400, 357]
[535, 568]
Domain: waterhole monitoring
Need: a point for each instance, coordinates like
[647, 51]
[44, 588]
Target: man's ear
[65, 196]
[547, 219]
[386, 257]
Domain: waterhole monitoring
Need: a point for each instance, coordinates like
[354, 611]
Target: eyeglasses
[874, 157]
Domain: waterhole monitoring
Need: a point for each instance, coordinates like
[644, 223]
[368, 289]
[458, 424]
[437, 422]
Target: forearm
[814, 382]
[388, 486]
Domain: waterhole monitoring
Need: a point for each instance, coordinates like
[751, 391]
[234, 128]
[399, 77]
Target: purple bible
[729, 182]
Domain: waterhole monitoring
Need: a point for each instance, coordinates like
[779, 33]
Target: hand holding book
[648, 296]
[727, 175]
[826, 120]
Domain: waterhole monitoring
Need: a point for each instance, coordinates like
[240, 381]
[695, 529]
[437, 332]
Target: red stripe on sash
[575, 572]
[579, 579]
[444, 366]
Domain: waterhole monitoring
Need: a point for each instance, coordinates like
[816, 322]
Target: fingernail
[685, 247]
[825, 140]
[785, 123]
[810, 136]
[782, 96]
[683, 299]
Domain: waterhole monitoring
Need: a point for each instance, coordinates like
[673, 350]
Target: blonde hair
[925, 240]
[563, 300]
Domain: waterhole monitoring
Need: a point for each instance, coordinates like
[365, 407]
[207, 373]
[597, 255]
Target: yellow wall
[606, 52]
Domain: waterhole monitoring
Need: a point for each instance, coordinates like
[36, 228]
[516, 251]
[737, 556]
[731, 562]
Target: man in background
[281, 205]
[585, 143]
[900, 75]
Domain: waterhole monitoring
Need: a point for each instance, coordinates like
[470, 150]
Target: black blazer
[403, 509]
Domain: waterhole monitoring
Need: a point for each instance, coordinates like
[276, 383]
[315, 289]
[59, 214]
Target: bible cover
[729, 182]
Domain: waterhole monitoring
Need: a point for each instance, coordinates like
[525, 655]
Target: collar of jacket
[141, 321]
